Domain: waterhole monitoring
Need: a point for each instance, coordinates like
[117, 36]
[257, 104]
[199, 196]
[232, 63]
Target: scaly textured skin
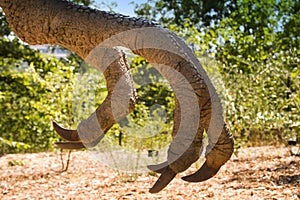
[81, 29]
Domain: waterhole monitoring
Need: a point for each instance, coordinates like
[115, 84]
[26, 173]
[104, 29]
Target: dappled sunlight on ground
[255, 173]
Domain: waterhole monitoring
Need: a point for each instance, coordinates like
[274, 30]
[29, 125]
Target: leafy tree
[200, 12]
[84, 2]
[4, 29]
[33, 93]
[256, 31]
[233, 31]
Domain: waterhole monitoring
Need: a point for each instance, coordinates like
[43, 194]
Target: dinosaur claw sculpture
[165, 178]
[93, 35]
[72, 137]
[67, 134]
[204, 173]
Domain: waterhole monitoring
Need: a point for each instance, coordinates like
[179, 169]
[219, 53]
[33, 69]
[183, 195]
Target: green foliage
[251, 30]
[152, 88]
[84, 2]
[202, 13]
[262, 106]
[4, 29]
[146, 132]
[256, 31]
[32, 95]
[88, 92]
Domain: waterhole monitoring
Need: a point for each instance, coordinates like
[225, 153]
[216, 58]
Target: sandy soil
[254, 173]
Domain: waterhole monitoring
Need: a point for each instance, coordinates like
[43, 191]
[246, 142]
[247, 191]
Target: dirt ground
[254, 173]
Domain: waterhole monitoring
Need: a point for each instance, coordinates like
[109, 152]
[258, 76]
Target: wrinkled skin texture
[81, 29]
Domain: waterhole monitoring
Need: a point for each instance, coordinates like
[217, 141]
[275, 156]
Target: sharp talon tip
[165, 178]
[204, 173]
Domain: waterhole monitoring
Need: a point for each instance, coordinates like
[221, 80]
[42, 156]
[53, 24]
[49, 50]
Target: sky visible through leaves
[125, 7]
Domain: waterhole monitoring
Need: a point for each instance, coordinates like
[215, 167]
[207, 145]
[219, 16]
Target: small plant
[16, 163]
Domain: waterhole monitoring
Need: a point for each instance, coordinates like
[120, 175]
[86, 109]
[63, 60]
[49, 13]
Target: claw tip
[204, 173]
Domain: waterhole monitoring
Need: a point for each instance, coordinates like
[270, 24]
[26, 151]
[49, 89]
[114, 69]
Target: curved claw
[204, 173]
[69, 145]
[67, 134]
[165, 178]
[159, 168]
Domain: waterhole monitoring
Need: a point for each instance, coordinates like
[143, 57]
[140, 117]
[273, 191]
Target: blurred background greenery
[250, 49]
